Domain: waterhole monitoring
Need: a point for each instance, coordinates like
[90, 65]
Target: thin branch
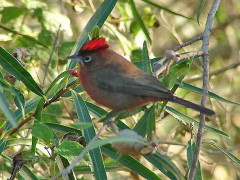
[158, 67]
[45, 105]
[23, 35]
[219, 71]
[66, 171]
[51, 55]
[206, 35]
[198, 38]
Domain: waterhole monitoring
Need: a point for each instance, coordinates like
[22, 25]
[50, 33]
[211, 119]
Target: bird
[116, 83]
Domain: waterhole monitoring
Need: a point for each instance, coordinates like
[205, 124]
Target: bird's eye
[87, 59]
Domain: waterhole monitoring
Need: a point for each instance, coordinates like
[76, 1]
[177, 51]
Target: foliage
[47, 119]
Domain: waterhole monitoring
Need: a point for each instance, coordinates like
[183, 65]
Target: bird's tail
[191, 105]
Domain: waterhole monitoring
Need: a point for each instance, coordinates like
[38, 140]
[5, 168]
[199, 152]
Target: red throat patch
[94, 45]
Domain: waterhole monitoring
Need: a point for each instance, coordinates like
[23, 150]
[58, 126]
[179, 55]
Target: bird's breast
[113, 100]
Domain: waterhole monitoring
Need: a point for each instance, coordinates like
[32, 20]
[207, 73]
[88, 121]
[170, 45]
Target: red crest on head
[94, 45]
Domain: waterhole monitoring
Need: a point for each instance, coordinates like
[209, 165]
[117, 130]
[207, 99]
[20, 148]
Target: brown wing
[140, 84]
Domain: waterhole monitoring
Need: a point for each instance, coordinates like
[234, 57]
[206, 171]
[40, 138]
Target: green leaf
[130, 163]
[82, 125]
[97, 19]
[83, 169]
[30, 106]
[191, 147]
[96, 110]
[19, 99]
[151, 123]
[46, 37]
[69, 149]
[42, 131]
[140, 127]
[2, 145]
[183, 118]
[65, 49]
[50, 112]
[145, 58]
[63, 129]
[165, 9]
[39, 109]
[89, 133]
[200, 8]
[187, 86]
[78, 89]
[178, 71]
[34, 144]
[94, 33]
[29, 173]
[4, 106]
[11, 13]
[146, 124]
[64, 163]
[165, 165]
[10, 64]
[4, 83]
[60, 76]
[2, 124]
[230, 155]
[139, 20]
[18, 141]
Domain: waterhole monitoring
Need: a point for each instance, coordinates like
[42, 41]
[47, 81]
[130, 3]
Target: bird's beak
[77, 58]
[74, 57]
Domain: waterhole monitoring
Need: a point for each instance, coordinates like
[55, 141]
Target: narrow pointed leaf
[165, 165]
[139, 20]
[199, 10]
[97, 19]
[230, 155]
[140, 127]
[11, 64]
[4, 107]
[2, 145]
[130, 163]
[42, 131]
[165, 9]
[191, 147]
[63, 129]
[60, 76]
[89, 133]
[145, 59]
[182, 117]
[210, 94]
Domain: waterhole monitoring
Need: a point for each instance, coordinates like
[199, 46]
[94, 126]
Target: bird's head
[87, 54]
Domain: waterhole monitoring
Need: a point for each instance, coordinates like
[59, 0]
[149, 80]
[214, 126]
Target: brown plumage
[116, 83]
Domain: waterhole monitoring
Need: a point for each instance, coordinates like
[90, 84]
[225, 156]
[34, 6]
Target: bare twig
[158, 67]
[219, 71]
[51, 55]
[198, 38]
[23, 35]
[45, 105]
[66, 171]
[206, 35]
